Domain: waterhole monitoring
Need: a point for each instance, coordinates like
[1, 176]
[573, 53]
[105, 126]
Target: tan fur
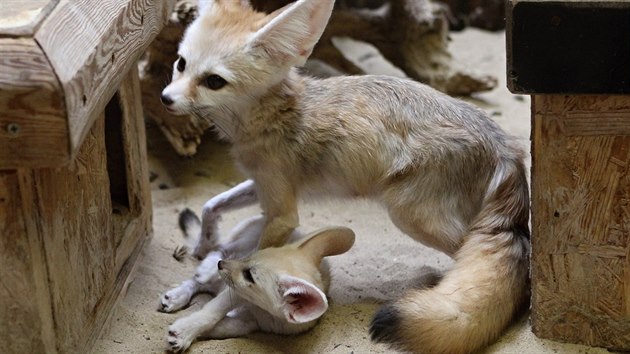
[275, 290]
[446, 173]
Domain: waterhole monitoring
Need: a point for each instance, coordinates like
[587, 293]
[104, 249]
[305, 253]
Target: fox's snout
[175, 96]
[166, 100]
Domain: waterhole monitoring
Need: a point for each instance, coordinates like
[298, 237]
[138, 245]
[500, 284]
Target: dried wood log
[411, 34]
[485, 14]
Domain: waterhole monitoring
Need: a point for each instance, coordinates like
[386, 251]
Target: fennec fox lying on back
[446, 173]
[278, 290]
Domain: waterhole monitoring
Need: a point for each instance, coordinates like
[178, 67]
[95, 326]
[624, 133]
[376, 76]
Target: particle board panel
[581, 219]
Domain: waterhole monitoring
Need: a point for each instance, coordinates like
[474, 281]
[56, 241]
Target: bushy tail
[190, 225]
[487, 286]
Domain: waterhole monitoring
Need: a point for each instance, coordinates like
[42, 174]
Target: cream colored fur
[446, 174]
[279, 290]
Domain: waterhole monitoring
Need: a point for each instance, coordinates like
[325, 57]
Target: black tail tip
[187, 218]
[385, 326]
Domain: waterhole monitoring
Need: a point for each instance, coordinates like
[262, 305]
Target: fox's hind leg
[244, 239]
[242, 195]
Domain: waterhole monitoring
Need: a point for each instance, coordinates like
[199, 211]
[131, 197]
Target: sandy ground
[382, 263]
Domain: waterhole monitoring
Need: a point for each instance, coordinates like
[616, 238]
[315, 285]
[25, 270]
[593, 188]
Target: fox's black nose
[221, 265]
[166, 100]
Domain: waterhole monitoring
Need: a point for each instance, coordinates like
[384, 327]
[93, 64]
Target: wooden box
[75, 205]
[572, 57]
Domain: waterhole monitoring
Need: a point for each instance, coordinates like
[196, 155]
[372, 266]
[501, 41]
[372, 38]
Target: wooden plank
[136, 164]
[552, 47]
[20, 18]
[581, 220]
[123, 278]
[33, 125]
[41, 294]
[106, 38]
[20, 324]
[75, 211]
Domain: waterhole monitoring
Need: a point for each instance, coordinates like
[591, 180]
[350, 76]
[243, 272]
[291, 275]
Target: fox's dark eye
[181, 64]
[247, 274]
[214, 82]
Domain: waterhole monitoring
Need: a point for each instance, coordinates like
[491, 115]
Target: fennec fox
[447, 175]
[277, 290]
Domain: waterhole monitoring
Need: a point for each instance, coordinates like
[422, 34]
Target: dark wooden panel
[568, 46]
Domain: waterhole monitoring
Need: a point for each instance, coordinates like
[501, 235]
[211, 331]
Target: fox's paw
[175, 299]
[179, 337]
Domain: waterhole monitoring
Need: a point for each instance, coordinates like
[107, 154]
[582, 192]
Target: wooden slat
[136, 162]
[33, 125]
[20, 18]
[20, 323]
[75, 211]
[106, 38]
[581, 220]
[40, 293]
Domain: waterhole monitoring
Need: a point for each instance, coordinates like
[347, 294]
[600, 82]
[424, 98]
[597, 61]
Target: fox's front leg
[279, 203]
[241, 195]
[185, 330]
[180, 296]
[237, 323]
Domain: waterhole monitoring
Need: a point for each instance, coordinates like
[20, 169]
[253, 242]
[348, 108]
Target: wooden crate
[580, 164]
[75, 205]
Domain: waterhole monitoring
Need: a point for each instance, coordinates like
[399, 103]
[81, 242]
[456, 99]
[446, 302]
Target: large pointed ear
[328, 242]
[301, 301]
[291, 34]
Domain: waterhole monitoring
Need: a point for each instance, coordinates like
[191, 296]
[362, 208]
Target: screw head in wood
[13, 129]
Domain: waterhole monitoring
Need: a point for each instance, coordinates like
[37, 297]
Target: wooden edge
[33, 124]
[29, 29]
[34, 231]
[509, 72]
[104, 54]
[105, 310]
[138, 222]
[134, 136]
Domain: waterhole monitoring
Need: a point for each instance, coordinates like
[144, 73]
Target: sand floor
[382, 263]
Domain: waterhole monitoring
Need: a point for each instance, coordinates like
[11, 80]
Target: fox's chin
[176, 111]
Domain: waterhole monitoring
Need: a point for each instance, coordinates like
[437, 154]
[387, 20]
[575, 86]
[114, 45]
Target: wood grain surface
[20, 324]
[91, 45]
[581, 219]
[33, 126]
[21, 18]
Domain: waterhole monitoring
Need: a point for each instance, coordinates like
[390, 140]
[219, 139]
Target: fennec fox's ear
[301, 301]
[291, 35]
[328, 242]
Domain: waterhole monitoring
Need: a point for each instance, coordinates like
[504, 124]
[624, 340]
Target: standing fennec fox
[446, 173]
[279, 290]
